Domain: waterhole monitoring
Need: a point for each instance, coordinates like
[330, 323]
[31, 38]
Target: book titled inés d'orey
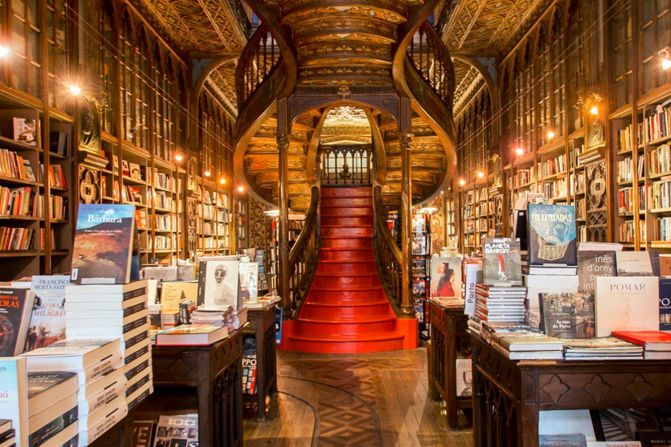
[552, 235]
[103, 243]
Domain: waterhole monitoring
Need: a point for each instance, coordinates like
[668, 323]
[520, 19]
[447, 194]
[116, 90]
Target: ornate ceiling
[346, 125]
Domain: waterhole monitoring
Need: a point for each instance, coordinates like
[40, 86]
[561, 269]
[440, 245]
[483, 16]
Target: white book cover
[464, 377]
[473, 275]
[249, 274]
[626, 303]
[559, 422]
[633, 263]
[47, 322]
[14, 396]
[218, 284]
[537, 284]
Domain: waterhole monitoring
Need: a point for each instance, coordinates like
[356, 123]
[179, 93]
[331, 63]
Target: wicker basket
[551, 252]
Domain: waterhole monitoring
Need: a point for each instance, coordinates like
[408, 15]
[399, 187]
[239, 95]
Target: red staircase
[346, 310]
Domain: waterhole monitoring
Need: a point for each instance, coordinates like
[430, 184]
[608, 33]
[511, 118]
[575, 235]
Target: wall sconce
[462, 182]
[4, 52]
[179, 157]
[594, 110]
[480, 174]
[665, 59]
[550, 135]
[222, 181]
[75, 90]
[519, 151]
[207, 173]
[241, 189]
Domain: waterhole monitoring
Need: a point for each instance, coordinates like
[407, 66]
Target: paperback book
[502, 262]
[446, 276]
[15, 308]
[177, 430]
[47, 322]
[218, 284]
[628, 303]
[665, 304]
[14, 392]
[568, 315]
[592, 264]
[249, 275]
[552, 235]
[633, 263]
[472, 276]
[103, 244]
[175, 292]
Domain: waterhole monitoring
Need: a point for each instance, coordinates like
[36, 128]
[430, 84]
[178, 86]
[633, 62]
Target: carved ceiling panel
[346, 125]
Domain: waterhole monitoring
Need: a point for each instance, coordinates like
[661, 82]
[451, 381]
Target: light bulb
[179, 158]
[241, 189]
[550, 135]
[207, 173]
[519, 151]
[666, 63]
[594, 110]
[222, 181]
[480, 174]
[75, 90]
[462, 182]
[4, 51]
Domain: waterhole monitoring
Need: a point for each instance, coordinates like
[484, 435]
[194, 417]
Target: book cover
[502, 262]
[472, 276]
[419, 245]
[47, 322]
[552, 234]
[592, 264]
[664, 264]
[665, 304]
[103, 243]
[177, 430]
[218, 284]
[446, 276]
[14, 396]
[633, 263]
[650, 340]
[568, 440]
[464, 377]
[655, 438]
[627, 303]
[249, 275]
[15, 308]
[568, 315]
[45, 388]
[25, 131]
[143, 432]
[175, 292]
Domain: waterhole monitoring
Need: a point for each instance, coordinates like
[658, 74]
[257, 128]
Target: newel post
[405, 127]
[283, 149]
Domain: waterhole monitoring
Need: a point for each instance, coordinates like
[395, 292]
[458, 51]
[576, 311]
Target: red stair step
[352, 242]
[315, 327]
[345, 202]
[346, 221]
[351, 211]
[346, 192]
[357, 254]
[346, 232]
[346, 297]
[346, 268]
[348, 345]
[344, 311]
[346, 282]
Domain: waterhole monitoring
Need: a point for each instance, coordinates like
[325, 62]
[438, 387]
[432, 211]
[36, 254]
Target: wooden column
[405, 127]
[283, 148]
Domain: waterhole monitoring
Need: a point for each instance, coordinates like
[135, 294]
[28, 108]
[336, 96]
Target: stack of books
[656, 344]
[500, 304]
[52, 408]
[191, 335]
[527, 345]
[249, 366]
[94, 361]
[605, 348]
[7, 433]
[118, 311]
[226, 317]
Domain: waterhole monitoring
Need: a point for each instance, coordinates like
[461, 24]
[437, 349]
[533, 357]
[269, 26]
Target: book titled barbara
[502, 262]
[552, 235]
[103, 243]
[15, 308]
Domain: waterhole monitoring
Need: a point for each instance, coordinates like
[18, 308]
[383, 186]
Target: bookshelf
[421, 270]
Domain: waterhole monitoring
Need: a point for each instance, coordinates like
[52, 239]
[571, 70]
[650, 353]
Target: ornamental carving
[555, 388]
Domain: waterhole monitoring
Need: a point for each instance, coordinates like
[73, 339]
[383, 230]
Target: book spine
[40, 436]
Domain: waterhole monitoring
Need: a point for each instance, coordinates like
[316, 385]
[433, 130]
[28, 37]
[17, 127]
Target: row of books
[18, 201]
[655, 124]
[660, 194]
[552, 166]
[164, 181]
[15, 166]
[160, 242]
[626, 231]
[522, 177]
[555, 188]
[660, 160]
[624, 139]
[16, 238]
[164, 201]
[625, 171]
[57, 177]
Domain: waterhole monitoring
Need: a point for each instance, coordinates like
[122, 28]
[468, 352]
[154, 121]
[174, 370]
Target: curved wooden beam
[207, 71]
[313, 151]
[380, 150]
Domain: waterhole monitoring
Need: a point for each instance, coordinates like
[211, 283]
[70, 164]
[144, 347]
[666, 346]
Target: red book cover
[650, 340]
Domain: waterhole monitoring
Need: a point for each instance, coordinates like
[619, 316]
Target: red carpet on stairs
[346, 310]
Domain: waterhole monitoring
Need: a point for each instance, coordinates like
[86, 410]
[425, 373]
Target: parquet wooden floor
[367, 400]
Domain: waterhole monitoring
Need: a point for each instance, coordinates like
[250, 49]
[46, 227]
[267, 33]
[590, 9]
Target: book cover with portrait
[446, 276]
[218, 284]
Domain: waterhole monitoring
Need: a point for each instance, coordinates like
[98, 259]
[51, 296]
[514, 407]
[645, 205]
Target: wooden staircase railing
[388, 257]
[259, 58]
[303, 258]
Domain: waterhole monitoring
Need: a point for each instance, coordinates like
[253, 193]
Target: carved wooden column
[405, 127]
[283, 149]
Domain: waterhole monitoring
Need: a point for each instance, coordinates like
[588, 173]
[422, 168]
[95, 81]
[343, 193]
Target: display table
[262, 327]
[508, 395]
[215, 372]
[448, 329]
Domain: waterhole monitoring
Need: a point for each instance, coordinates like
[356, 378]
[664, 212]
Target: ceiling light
[666, 60]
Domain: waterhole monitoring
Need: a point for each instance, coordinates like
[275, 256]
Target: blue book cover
[103, 244]
[552, 235]
[665, 304]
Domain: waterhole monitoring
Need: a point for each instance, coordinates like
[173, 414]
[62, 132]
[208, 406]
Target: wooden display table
[262, 327]
[215, 371]
[448, 330]
[508, 395]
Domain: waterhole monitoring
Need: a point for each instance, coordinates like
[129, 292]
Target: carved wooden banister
[388, 256]
[303, 258]
[429, 56]
[259, 58]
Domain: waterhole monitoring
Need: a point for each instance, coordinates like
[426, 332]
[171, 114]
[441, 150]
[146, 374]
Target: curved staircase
[346, 310]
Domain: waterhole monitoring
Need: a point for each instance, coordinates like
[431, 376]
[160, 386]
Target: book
[568, 440]
[143, 433]
[568, 315]
[552, 234]
[72, 355]
[53, 419]
[194, 334]
[15, 308]
[177, 430]
[14, 392]
[45, 388]
[665, 304]
[592, 264]
[650, 340]
[98, 226]
[554, 270]
[218, 284]
[47, 322]
[626, 303]
[249, 274]
[664, 264]
[527, 341]
[174, 292]
[502, 262]
[633, 263]
[603, 348]
[446, 276]
[537, 284]
[25, 131]
[472, 275]
[464, 377]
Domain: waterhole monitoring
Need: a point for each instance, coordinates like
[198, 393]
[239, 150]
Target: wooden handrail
[388, 257]
[258, 60]
[303, 258]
